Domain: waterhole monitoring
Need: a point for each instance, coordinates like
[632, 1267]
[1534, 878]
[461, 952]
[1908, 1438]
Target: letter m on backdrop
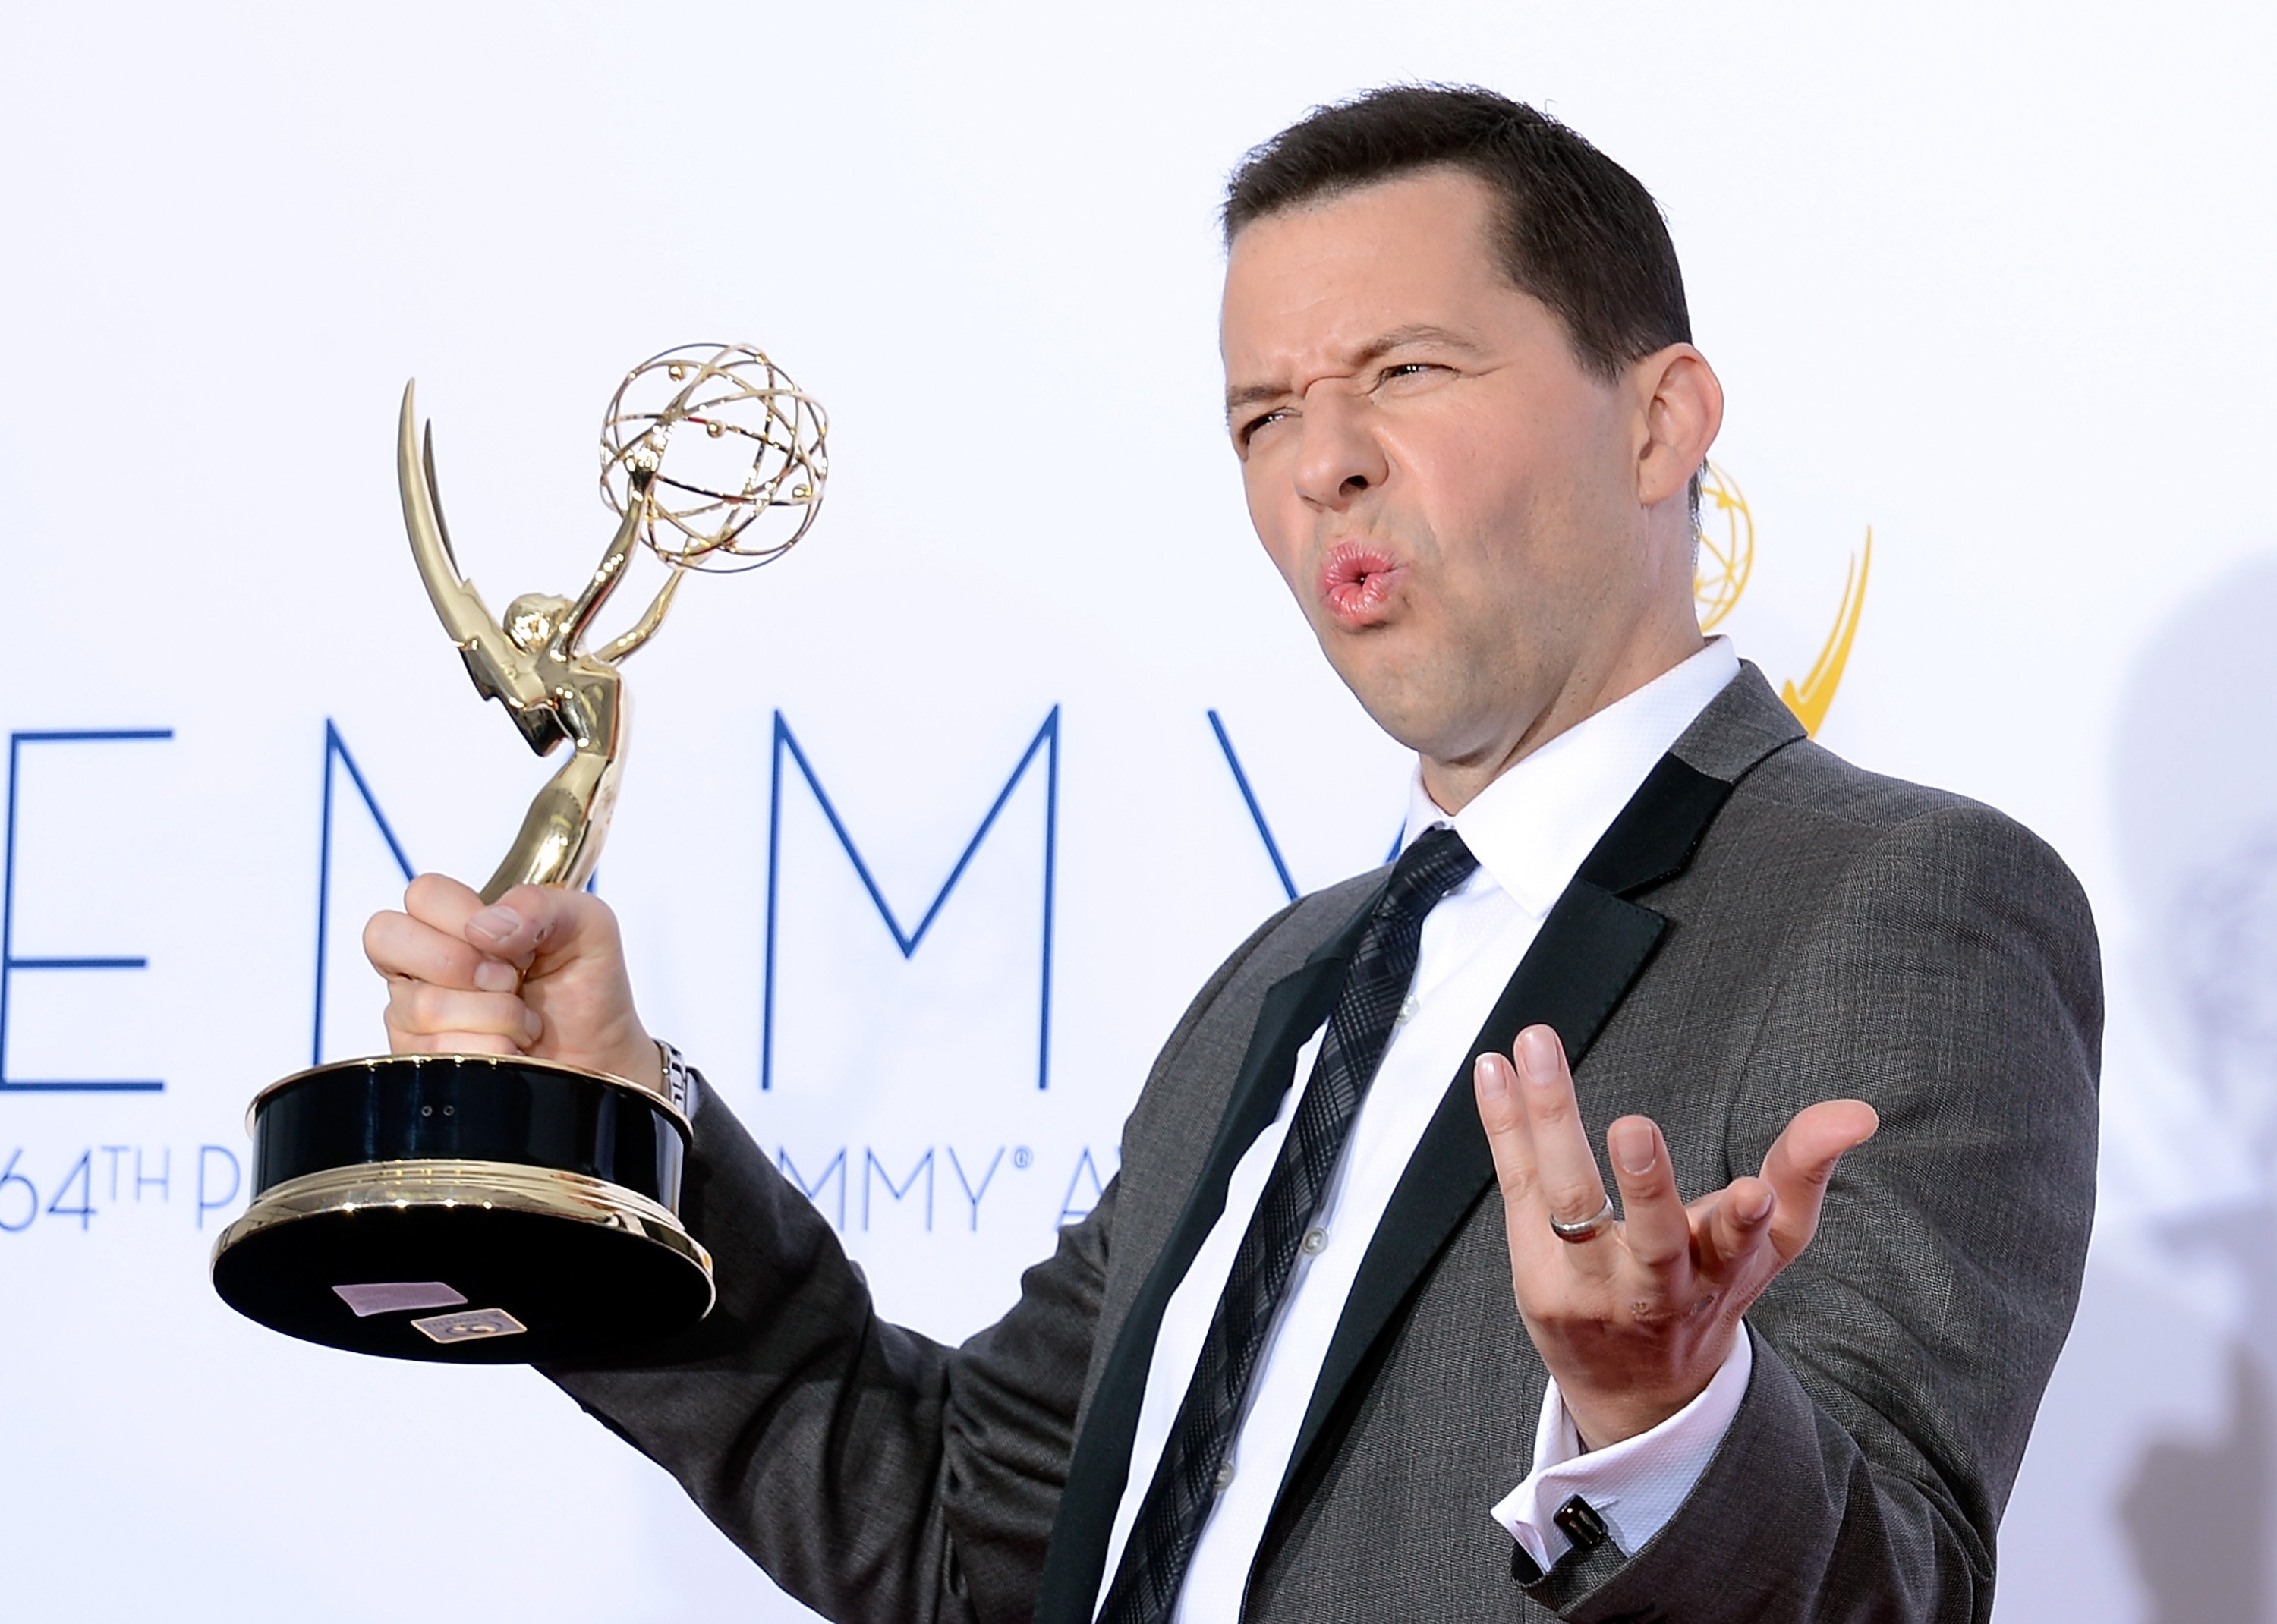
[1043, 746]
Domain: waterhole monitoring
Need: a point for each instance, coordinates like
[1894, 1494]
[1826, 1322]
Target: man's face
[1452, 497]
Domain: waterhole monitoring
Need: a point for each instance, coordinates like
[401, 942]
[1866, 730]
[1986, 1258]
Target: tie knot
[1428, 871]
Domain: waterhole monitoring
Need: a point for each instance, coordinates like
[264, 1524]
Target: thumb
[531, 919]
[1803, 1159]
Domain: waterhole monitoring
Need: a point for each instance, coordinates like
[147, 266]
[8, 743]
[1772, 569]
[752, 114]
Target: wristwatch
[683, 1082]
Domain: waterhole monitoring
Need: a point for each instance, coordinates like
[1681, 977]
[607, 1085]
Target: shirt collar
[1531, 827]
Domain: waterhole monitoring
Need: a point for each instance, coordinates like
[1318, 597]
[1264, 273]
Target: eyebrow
[1376, 349]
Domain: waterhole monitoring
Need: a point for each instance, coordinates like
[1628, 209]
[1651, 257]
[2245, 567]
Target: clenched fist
[540, 972]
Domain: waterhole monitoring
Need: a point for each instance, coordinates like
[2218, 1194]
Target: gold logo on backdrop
[1726, 531]
[1727, 557]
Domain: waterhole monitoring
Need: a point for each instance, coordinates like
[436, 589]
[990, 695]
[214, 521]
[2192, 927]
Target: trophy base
[465, 1210]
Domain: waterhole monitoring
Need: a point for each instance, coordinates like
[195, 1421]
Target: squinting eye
[1249, 429]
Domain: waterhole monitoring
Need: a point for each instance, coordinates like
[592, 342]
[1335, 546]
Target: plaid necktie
[1186, 1484]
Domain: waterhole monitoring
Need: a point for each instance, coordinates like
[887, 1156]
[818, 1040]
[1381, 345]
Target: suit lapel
[1591, 947]
[1590, 950]
[1097, 1474]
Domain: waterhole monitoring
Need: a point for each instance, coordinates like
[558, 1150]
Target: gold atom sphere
[1725, 534]
[742, 492]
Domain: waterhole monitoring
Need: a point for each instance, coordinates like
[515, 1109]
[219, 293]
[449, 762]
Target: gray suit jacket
[1765, 926]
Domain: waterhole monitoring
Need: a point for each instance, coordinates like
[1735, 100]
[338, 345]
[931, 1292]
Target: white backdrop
[1991, 284]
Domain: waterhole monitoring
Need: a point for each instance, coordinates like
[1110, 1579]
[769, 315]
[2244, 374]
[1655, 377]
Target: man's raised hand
[1634, 1320]
[541, 972]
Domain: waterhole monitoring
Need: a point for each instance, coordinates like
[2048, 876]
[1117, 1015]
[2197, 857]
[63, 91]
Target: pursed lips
[1359, 581]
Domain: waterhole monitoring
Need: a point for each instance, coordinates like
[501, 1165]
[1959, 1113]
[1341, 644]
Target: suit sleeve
[1953, 980]
[874, 1474]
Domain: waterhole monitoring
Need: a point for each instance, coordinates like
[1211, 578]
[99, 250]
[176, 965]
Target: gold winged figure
[534, 664]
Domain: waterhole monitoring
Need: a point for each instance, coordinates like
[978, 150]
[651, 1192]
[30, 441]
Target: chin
[1393, 704]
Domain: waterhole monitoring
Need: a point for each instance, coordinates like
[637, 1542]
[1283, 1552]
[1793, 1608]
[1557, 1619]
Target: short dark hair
[1579, 233]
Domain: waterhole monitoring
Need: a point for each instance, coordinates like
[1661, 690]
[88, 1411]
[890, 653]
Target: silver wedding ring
[1589, 1228]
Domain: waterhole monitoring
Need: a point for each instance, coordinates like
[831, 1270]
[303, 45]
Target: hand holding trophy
[499, 1209]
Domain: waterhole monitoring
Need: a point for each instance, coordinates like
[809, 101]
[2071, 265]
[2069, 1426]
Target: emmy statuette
[486, 1208]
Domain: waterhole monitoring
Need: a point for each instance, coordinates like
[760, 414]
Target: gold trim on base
[542, 1192]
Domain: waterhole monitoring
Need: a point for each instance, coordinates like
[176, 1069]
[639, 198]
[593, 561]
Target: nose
[1339, 459]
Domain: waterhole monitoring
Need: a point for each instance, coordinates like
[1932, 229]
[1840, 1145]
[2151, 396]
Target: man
[1300, 1363]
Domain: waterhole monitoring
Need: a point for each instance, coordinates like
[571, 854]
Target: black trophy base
[465, 1210]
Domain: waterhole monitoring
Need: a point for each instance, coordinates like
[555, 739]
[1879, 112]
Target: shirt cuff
[1636, 1485]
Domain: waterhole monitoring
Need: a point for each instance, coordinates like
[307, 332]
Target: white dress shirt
[1530, 829]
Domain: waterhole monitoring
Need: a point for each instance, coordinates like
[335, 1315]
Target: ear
[1683, 407]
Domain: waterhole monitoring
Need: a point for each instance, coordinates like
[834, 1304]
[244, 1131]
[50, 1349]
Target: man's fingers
[1573, 1189]
[1505, 1121]
[1729, 1225]
[444, 906]
[400, 946]
[1654, 1224]
[449, 1043]
[1803, 1159]
[419, 1009]
[442, 902]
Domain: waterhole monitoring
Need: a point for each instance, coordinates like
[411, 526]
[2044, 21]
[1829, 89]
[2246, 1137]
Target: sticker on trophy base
[395, 1297]
[466, 1327]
